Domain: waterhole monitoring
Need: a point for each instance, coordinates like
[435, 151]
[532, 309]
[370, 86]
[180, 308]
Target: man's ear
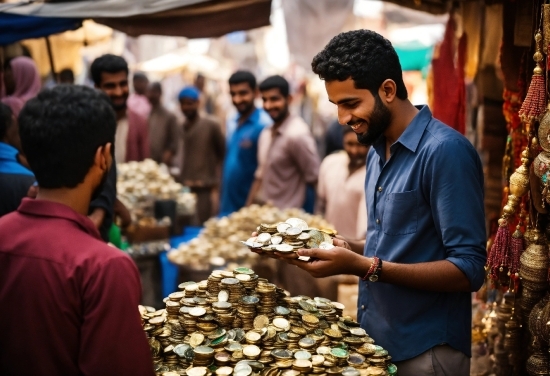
[103, 157]
[388, 91]
[289, 98]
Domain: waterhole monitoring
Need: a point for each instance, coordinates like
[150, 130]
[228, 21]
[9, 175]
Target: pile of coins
[139, 184]
[289, 236]
[235, 323]
[219, 242]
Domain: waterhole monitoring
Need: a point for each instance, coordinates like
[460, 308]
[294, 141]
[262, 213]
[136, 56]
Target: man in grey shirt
[287, 156]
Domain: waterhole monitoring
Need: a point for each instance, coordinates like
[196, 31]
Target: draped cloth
[26, 77]
[449, 91]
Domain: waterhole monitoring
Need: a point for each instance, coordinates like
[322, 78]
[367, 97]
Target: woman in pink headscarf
[21, 81]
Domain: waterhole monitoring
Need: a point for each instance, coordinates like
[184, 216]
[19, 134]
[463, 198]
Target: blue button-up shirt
[424, 204]
[241, 160]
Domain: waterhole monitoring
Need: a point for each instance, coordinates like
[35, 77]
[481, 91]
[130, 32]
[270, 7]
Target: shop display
[221, 240]
[235, 323]
[140, 184]
[518, 260]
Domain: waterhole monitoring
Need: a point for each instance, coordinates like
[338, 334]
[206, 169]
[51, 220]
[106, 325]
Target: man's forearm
[97, 216]
[441, 276]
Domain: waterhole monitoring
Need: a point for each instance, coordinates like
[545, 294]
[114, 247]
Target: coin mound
[139, 184]
[256, 329]
[219, 242]
[289, 236]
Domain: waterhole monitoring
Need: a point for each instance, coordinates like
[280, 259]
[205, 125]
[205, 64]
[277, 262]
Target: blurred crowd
[261, 155]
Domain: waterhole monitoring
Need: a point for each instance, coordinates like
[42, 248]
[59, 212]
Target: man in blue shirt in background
[15, 179]
[242, 143]
[425, 248]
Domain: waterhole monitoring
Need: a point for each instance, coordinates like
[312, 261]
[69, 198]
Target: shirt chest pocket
[400, 213]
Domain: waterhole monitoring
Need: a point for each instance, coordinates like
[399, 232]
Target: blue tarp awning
[14, 27]
[187, 18]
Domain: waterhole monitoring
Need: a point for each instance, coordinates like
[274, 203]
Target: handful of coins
[236, 323]
[289, 236]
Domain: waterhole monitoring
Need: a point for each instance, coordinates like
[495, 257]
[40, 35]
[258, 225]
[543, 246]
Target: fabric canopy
[14, 27]
[187, 18]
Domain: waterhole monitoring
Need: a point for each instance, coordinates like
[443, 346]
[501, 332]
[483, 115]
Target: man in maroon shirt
[69, 301]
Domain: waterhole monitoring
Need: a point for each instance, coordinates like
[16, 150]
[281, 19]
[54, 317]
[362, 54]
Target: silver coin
[293, 231]
[284, 248]
[282, 227]
[297, 222]
[263, 238]
[223, 296]
[276, 240]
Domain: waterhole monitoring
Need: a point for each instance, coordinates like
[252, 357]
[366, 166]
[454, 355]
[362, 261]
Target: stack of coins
[223, 312]
[246, 311]
[265, 333]
[204, 356]
[185, 354]
[213, 282]
[170, 358]
[267, 292]
[234, 289]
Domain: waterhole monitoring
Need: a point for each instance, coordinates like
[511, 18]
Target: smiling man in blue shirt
[425, 247]
[241, 159]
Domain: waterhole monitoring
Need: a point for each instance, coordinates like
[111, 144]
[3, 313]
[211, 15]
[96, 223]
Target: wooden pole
[50, 57]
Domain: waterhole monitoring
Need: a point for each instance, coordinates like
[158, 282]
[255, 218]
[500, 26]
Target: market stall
[515, 324]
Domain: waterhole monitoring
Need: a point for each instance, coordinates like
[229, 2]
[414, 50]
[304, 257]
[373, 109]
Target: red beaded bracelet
[374, 266]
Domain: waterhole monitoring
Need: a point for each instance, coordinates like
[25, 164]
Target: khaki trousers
[441, 360]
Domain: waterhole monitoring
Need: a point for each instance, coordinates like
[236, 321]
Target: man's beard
[247, 109]
[118, 107]
[379, 121]
[99, 189]
[280, 116]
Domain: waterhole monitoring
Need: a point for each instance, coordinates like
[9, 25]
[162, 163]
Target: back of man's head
[241, 76]
[107, 63]
[276, 82]
[6, 120]
[66, 76]
[61, 130]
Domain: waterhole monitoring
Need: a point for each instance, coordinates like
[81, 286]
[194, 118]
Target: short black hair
[140, 76]
[107, 63]
[276, 82]
[365, 56]
[6, 119]
[242, 76]
[61, 129]
[66, 75]
[156, 86]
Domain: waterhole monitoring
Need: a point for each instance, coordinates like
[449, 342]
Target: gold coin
[310, 319]
[253, 336]
[196, 339]
[261, 322]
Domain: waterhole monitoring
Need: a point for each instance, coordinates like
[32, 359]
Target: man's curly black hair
[365, 56]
